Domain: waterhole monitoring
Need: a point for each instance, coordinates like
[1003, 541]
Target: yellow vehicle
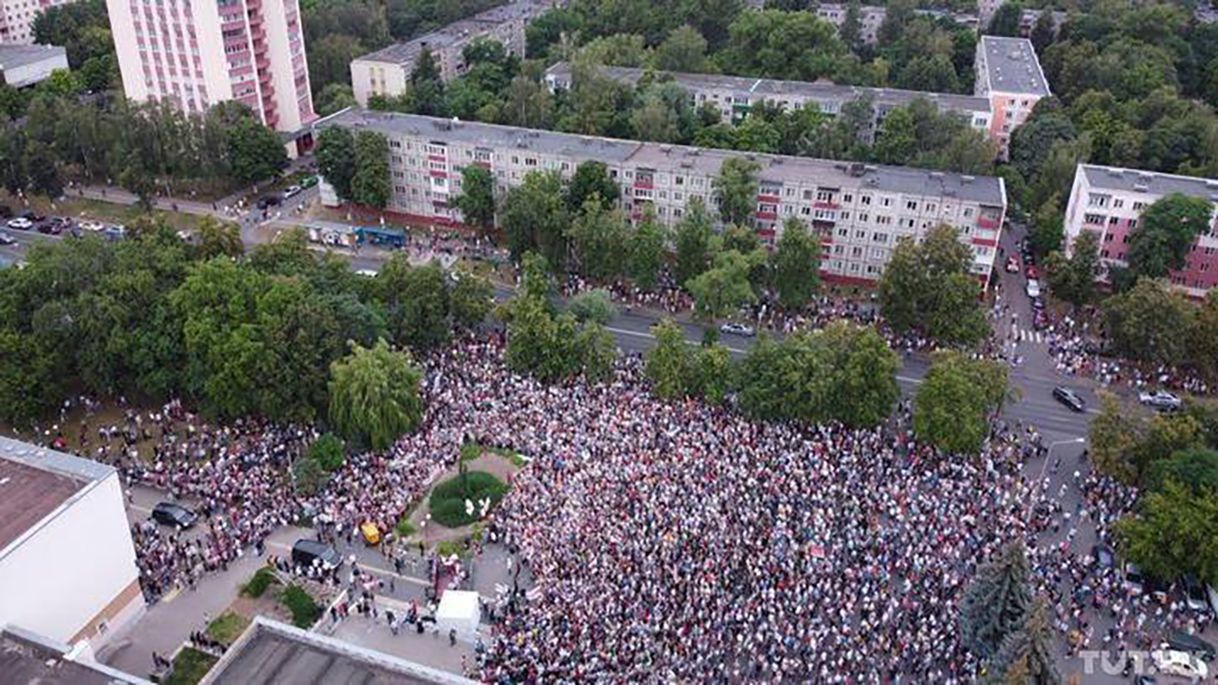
[372, 534]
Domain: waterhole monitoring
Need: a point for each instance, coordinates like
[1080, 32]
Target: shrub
[448, 498]
[404, 527]
[470, 451]
[257, 585]
[304, 610]
[447, 548]
[189, 667]
[329, 452]
[227, 627]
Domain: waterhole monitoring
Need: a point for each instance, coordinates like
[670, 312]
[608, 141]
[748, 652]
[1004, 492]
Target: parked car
[1160, 399]
[308, 552]
[6, 239]
[92, 226]
[268, 201]
[31, 215]
[292, 191]
[1194, 593]
[737, 329]
[1069, 398]
[1031, 272]
[1175, 662]
[308, 181]
[1135, 582]
[173, 514]
[20, 223]
[1038, 303]
[1103, 555]
[1187, 642]
[1032, 288]
[55, 225]
[1040, 320]
[1012, 264]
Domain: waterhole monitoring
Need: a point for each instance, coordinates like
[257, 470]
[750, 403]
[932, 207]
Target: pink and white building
[17, 19]
[1109, 201]
[197, 53]
[1009, 75]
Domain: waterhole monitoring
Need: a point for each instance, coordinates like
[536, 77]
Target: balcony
[768, 197]
[987, 222]
[826, 204]
[766, 216]
[644, 184]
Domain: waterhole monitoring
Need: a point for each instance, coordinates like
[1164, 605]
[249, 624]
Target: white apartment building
[199, 54]
[67, 562]
[1009, 75]
[734, 95]
[871, 17]
[859, 211]
[1109, 201]
[387, 71]
[17, 19]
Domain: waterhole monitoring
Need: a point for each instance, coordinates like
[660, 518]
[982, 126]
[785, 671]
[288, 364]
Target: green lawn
[190, 666]
[108, 212]
[227, 627]
[305, 610]
[447, 500]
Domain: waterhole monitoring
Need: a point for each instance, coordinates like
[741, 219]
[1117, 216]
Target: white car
[1175, 662]
[366, 273]
[6, 239]
[737, 329]
[1033, 288]
[92, 226]
[1160, 399]
[291, 191]
[20, 223]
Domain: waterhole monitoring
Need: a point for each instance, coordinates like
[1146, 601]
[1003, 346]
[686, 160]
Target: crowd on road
[677, 541]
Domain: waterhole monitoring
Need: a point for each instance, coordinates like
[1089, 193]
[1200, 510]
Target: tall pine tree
[1026, 653]
[996, 603]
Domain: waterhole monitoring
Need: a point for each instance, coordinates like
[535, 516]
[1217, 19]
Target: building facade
[17, 19]
[67, 562]
[1009, 75]
[197, 54]
[387, 71]
[871, 17]
[1109, 201]
[734, 95]
[858, 211]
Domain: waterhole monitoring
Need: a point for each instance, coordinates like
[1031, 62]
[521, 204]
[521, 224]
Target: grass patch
[227, 627]
[470, 451]
[107, 212]
[447, 500]
[448, 548]
[305, 611]
[189, 667]
[405, 528]
[256, 587]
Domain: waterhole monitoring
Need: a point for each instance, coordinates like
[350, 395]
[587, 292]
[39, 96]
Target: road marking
[907, 379]
[366, 566]
[139, 508]
[638, 334]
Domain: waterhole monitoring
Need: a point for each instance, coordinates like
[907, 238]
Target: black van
[307, 553]
[1192, 644]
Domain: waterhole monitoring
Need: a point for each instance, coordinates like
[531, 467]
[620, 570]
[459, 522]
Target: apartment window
[885, 202]
[1138, 206]
[847, 198]
[880, 237]
[1097, 219]
[911, 205]
[1117, 203]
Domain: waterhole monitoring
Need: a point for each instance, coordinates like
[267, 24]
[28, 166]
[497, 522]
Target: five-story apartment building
[858, 211]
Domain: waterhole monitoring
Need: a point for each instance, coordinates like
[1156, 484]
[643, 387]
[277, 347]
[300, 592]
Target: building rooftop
[35, 481]
[776, 88]
[406, 53]
[778, 168]
[1149, 182]
[12, 56]
[270, 653]
[30, 659]
[1011, 66]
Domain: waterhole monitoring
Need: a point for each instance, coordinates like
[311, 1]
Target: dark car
[268, 201]
[171, 514]
[1069, 398]
[1040, 320]
[1104, 558]
[1194, 593]
[31, 215]
[1191, 643]
[310, 552]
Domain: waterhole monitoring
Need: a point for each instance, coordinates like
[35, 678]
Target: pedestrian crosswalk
[1024, 335]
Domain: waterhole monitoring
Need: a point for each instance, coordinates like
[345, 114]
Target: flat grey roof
[272, 653]
[1011, 66]
[26, 657]
[406, 53]
[48, 459]
[1136, 180]
[19, 55]
[777, 88]
[779, 168]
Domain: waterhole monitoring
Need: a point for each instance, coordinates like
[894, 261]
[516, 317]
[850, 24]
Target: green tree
[416, 301]
[308, 476]
[254, 151]
[1029, 649]
[927, 285]
[336, 158]
[736, 186]
[593, 305]
[866, 375]
[426, 85]
[1073, 279]
[598, 239]
[42, 168]
[30, 384]
[724, 288]
[334, 98]
[956, 400]
[669, 365]
[370, 184]
[1146, 322]
[796, 265]
[535, 217]
[329, 452]
[471, 300]
[591, 178]
[897, 139]
[997, 602]
[1203, 347]
[1194, 467]
[712, 367]
[477, 198]
[1174, 532]
[1167, 229]
[693, 242]
[1005, 21]
[1047, 231]
[597, 352]
[683, 51]
[1112, 439]
[374, 395]
[217, 237]
[645, 252]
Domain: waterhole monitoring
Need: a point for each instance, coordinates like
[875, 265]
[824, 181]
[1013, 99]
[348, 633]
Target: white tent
[459, 609]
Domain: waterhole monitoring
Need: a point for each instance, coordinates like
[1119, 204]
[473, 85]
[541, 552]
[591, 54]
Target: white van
[1033, 288]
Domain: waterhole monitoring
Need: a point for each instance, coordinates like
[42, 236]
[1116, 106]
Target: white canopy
[459, 609]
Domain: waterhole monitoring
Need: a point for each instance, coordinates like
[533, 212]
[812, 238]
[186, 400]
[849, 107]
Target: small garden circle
[447, 500]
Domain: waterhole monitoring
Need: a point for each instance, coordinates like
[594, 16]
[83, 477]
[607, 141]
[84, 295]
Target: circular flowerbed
[447, 500]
